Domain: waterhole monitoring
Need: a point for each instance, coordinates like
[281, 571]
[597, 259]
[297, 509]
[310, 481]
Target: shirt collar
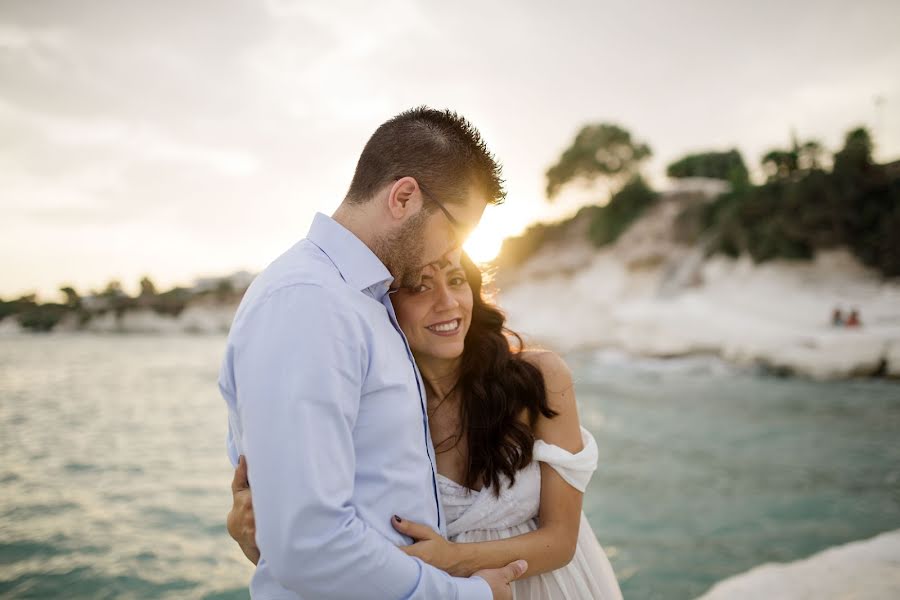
[356, 263]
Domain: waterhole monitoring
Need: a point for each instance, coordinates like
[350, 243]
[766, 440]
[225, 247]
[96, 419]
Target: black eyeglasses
[456, 224]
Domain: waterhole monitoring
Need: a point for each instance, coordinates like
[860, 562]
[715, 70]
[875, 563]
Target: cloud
[319, 65]
[211, 118]
[21, 39]
[41, 51]
[137, 141]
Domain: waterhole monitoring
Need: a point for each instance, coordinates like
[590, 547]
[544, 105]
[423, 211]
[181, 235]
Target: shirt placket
[386, 301]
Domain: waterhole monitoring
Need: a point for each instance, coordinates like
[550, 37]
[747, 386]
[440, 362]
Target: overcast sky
[188, 138]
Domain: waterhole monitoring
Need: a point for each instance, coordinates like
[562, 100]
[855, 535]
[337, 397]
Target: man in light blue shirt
[324, 398]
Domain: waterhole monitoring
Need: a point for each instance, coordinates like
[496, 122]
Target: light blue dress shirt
[325, 401]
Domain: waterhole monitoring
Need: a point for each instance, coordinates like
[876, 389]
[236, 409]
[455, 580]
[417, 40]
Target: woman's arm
[552, 545]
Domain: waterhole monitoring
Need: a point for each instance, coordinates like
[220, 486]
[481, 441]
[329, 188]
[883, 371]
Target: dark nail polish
[398, 519]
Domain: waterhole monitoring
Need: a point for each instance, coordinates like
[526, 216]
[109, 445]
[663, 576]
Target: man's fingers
[416, 531]
[514, 570]
[240, 481]
[250, 531]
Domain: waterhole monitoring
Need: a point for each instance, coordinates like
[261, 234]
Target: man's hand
[241, 522]
[499, 579]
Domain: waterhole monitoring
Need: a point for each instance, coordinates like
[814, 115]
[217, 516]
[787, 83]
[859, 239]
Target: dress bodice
[468, 510]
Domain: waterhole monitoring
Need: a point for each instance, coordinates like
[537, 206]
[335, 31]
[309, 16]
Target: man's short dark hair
[439, 148]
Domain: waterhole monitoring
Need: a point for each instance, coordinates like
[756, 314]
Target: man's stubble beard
[402, 254]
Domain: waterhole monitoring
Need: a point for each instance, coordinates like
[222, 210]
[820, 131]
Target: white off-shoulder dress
[478, 516]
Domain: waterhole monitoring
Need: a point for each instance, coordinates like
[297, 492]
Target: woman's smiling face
[436, 314]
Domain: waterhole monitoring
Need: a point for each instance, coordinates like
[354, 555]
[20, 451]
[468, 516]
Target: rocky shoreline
[862, 569]
[651, 296]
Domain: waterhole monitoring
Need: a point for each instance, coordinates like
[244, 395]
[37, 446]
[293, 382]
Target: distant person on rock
[837, 318]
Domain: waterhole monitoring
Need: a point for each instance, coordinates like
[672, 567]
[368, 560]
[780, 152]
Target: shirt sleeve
[298, 370]
[232, 441]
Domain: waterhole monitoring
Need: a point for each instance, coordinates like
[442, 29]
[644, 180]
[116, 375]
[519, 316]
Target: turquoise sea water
[115, 482]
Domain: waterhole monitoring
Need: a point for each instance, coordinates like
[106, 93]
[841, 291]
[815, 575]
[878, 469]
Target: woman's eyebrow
[455, 271]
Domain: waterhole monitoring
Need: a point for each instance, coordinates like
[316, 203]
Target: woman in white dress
[512, 459]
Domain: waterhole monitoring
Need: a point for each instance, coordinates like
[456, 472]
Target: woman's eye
[419, 289]
[457, 281]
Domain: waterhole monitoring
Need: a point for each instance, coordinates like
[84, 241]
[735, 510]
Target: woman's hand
[241, 522]
[431, 547]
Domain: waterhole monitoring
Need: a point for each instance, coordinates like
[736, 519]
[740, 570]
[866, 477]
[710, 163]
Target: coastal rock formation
[868, 569]
[652, 296]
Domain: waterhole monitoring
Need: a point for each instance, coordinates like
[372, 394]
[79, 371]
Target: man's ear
[404, 198]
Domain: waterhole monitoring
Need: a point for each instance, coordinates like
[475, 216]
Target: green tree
[855, 157]
[173, 301]
[787, 163]
[116, 297]
[804, 208]
[809, 155]
[113, 289]
[147, 287]
[42, 317]
[727, 166]
[17, 306]
[779, 164]
[73, 300]
[224, 290]
[602, 150]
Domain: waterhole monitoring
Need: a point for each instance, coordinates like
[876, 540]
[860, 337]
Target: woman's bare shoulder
[551, 365]
[562, 429]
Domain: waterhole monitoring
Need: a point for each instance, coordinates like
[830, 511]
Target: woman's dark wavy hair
[495, 385]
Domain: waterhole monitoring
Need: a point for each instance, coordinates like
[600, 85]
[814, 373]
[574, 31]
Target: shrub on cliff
[727, 166]
[802, 208]
[623, 209]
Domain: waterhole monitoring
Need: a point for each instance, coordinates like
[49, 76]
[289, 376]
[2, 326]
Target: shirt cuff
[473, 588]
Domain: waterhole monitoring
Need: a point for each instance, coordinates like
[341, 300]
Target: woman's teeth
[446, 327]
